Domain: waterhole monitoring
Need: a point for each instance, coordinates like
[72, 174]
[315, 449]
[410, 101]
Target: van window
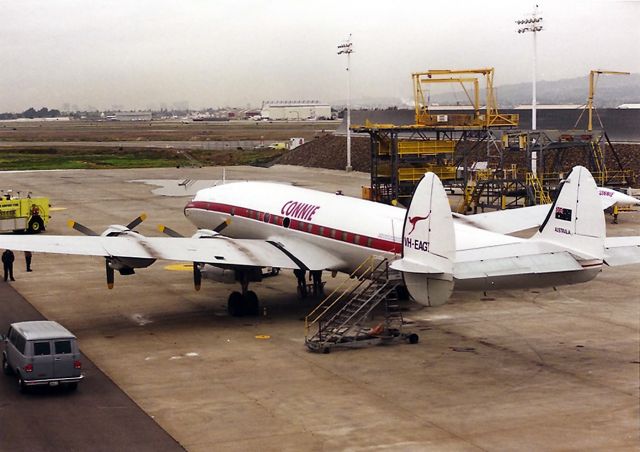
[20, 343]
[63, 347]
[12, 336]
[41, 348]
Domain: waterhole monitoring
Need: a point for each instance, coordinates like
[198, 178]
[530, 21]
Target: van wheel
[72, 386]
[21, 385]
[5, 366]
[36, 225]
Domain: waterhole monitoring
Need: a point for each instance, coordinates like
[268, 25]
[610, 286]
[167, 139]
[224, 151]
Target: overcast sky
[143, 53]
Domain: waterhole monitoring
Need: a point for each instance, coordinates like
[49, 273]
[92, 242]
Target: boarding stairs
[342, 318]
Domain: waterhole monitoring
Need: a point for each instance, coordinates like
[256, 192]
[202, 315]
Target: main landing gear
[243, 303]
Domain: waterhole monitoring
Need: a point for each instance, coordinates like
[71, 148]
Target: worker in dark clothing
[302, 284]
[316, 275]
[27, 259]
[7, 262]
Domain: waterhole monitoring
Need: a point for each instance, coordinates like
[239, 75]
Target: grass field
[21, 152]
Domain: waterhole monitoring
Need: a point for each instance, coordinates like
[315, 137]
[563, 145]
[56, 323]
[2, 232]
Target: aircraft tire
[235, 304]
[251, 303]
[413, 338]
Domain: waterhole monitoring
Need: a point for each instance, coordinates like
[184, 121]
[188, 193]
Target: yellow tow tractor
[23, 214]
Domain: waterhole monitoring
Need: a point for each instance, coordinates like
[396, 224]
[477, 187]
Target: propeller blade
[137, 221]
[170, 232]
[81, 228]
[222, 225]
[110, 274]
[197, 276]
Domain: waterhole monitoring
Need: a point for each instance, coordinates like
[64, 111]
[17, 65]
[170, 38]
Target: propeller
[124, 266]
[222, 225]
[136, 221]
[81, 228]
[197, 276]
[110, 274]
[170, 232]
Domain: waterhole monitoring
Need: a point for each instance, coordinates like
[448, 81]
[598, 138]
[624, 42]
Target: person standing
[27, 259]
[7, 262]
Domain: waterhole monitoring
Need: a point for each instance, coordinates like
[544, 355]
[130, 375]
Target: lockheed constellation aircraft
[244, 227]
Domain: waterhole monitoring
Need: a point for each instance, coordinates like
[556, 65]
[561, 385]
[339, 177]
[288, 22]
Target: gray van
[42, 353]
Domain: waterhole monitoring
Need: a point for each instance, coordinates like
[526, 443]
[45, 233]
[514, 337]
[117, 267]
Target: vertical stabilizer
[428, 244]
[576, 220]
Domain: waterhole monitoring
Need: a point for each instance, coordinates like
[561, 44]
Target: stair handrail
[369, 261]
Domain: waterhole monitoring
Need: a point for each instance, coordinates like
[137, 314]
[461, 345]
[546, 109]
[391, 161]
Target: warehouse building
[295, 110]
[133, 116]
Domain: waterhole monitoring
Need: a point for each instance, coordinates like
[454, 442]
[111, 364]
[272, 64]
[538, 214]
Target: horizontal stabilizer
[622, 250]
[418, 267]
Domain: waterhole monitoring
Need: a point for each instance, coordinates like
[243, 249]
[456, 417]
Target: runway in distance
[244, 227]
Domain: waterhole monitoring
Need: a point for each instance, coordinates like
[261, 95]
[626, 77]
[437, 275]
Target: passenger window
[20, 343]
[12, 336]
[41, 348]
[63, 347]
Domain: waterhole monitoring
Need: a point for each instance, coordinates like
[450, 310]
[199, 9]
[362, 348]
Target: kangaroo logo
[414, 221]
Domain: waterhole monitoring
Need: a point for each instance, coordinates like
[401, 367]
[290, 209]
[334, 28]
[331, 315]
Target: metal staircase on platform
[340, 320]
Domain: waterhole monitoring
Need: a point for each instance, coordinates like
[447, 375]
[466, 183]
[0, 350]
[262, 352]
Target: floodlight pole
[533, 25]
[346, 48]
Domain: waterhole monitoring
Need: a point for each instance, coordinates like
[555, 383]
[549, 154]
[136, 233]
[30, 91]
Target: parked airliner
[244, 227]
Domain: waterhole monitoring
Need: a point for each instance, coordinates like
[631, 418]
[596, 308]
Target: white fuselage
[349, 228]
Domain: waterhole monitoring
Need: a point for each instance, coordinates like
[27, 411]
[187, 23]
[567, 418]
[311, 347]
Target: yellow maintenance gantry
[479, 152]
[401, 154]
[486, 118]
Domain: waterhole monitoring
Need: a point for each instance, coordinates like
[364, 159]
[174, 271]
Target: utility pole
[346, 48]
[532, 24]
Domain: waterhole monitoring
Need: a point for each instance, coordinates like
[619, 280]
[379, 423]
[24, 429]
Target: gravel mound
[330, 152]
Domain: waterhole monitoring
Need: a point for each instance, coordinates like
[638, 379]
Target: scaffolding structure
[480, 155]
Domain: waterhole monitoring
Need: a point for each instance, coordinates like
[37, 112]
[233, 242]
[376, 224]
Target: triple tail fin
[428, 244]
[576, 220]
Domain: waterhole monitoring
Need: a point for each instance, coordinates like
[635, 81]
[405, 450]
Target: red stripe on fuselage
[300, 226]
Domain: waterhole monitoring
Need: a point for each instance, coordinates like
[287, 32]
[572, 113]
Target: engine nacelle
[222, 275]
[125, 265]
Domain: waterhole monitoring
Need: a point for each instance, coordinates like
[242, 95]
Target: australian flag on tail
[563, 214]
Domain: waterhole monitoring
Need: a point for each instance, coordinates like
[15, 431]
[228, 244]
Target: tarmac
[510, 370]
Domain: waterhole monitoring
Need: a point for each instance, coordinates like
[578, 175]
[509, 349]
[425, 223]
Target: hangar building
[295, 110]
[133, 116]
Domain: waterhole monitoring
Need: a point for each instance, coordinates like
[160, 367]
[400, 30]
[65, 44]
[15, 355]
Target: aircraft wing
[306, 255]
[622, 250]
[215, 250]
